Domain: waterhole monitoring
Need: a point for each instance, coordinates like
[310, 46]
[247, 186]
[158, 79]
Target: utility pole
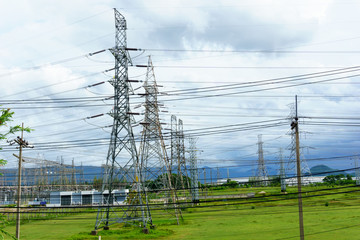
[291, 166]
[22, 144]
[295, 125]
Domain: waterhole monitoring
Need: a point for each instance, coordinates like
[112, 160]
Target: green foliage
[231, 184]
[158, 183]
[275, 181]
[97, 183]
[5, 117]
[339, 179]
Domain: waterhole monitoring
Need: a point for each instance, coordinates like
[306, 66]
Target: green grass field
[334, 215]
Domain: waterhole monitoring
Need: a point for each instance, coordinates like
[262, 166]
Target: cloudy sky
[229, 69]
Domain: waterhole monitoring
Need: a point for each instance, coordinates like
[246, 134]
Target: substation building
[71, 198]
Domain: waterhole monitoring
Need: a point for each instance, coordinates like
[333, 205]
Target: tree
[158, 183]
[339, 179]
[6, 117]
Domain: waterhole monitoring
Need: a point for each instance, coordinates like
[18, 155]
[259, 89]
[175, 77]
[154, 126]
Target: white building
[86, 197]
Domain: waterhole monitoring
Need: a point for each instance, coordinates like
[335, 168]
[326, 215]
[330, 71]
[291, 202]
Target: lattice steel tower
[182, 171]
[122, 163]
[174, 144]
[154, 159]
[193, 171]
[262, 174]
[152, 149]
[282, 171]
[291, 166]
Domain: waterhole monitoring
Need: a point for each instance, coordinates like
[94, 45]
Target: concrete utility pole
[22, 144]
[295, 125]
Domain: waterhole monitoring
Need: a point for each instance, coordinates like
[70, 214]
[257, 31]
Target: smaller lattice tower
[291, 165]
[262, 175]
[193, 171]
[153, 155]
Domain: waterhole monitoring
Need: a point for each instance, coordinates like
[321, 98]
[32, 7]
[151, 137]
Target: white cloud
[39, 33]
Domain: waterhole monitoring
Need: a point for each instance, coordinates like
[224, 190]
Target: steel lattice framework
[122, 163]
[182, 171]
[154, 159]
[291, 165]
[193, 171]
[174, 144]
[262, 174]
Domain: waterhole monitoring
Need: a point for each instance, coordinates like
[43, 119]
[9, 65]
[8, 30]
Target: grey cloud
[228, 28]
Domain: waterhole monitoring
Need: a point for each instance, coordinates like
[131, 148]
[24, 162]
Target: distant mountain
[205, 173]
[325, 170]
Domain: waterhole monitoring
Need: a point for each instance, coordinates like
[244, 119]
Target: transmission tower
[174, 141]
[291, 166]
[182, 171]
[193, 171]
[262, 174]
[282, 171]
[122, 163]
[357, 171]
[154, 159]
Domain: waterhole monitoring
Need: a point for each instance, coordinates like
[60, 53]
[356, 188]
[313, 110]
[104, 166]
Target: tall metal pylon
[122, 163]
[174, 141]
[182, 172]
[153, 156]
[282, 171]
[193, 171]
[154, 159]
[357, 171]
[291, 166]
[262, 174]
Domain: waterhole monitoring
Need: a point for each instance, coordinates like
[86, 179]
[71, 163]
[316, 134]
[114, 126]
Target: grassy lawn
[325, 217]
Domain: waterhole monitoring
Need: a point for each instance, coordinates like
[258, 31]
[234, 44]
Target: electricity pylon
[182, 168]
[122, 163]
[262, 174]
[174, 141]
[282, 171]
[291, 166]
[154, 159]
[193, 171]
